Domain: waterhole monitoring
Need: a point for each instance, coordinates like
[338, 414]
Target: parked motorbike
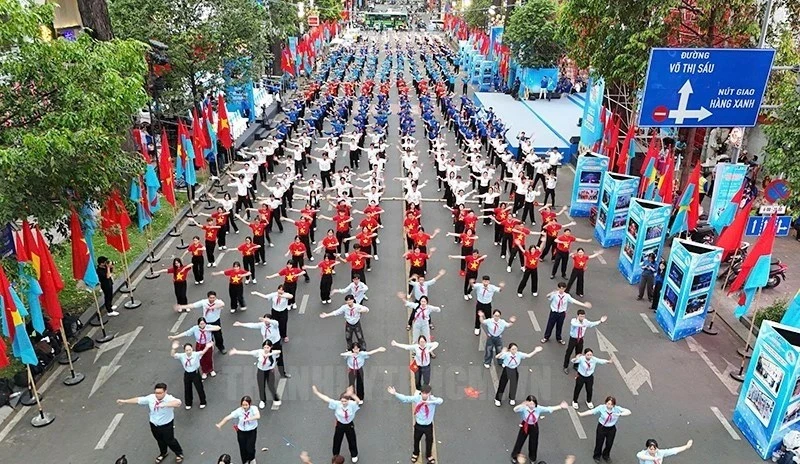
[777, 273]
[732, 259]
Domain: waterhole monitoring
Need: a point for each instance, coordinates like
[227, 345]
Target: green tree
[65, 109]
[329, 10]
[531, 31]
[477, 14]
[205, 38]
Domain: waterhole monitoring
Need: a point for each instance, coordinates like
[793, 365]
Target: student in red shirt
[410, 227]
[211, 230]
[309, 212]
[220, 217]
[365, 240]
[342, 220]
[418, 262]
[329, 243]
[297, 249]
[473, 263]
[236, 276]
[507, 241]
[326, 276]
[179, 274]
[196, 248]
[260, 229]
[372, 225]
[552, 229]
[531, 263]
[357, 260]
[421, 238]
[303, 230]
[499, 214]
[519, 234]
[249, 250]
[458, 220]
[563, 242]
[548, 213]
[579, 261]
[290, 274]
[468, 239]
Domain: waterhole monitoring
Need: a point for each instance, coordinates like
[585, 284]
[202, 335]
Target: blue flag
[33, 294]
[189, 174]
[211, 153]
[152, 184]
[136, 197]
[792, 315]
[20, 344]
[681, 221]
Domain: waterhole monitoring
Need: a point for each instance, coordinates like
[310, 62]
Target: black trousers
[485, 308]
[247, 444]
[197, 268]
[577, 274]
[423, 431]
[511, 375]
[210, 245]
[555, 320]
[165, 437]
[656, 296]
[528, 210]
[506, 243]
[360, 273]
[549, 245]
[533, 442]
[236, 292]
[356, 379]
[283, 319]
[422, 376]
[291, 287]
[249, 264]
[180, 292]
[266, 378]
[580, 382]
[341, 237]
[604, 435]
[231, 222]
[470, 275]
[108, 294]
[513, 254]
[261, 253]
[341, 431]
[325, 284]
[354, 333]
[561, 258]
[533, 275]
[189, 379]
[307, 242]
[219, 342]
[573, 345]
[551, 194]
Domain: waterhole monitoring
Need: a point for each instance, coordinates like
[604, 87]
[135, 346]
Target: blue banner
[728, 179]
[589, 171]
[644, 234]
[688, 286]
[531, 80]
[612, 213]
[592, 126]
[293, 50]
[792, 315]
[769, 401]
[495, 38]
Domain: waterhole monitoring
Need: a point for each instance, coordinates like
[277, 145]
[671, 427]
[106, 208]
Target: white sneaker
[294, 306]
[113, 307]
[376, 258]
[188, 408]
[312, 259]
[355, 459]
[508, 268]
[476, 331]
[512, 402]
[215, 264]
[204, 376]
[360, 402]
[574, 405]
[466, 297]
[366, 298]
[243, 308]
[276, 403]
[202, 406]
[590, 405]
[271, 245]
[113, 314]
[495, 244]
[202, 281]
[262, 405]
[328, 302]
[535, 294]
[213, 373]
[208, 265]
[378, 241]
[519, 295]
[254, 281]
[233, 311]
[487, 366]
[469, 296]
[497, 403]
[197, 283]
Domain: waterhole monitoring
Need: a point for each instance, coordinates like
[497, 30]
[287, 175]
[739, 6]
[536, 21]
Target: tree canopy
[531, 31]
[65, 109]
[329, 10]
[477, 15]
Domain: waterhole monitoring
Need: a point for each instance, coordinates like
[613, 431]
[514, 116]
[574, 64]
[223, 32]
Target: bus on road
[386, 20]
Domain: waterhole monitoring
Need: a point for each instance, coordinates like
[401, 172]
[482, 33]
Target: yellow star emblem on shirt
[473, 266]
[209, 235]
[417, 263]
[357, 262]
[531, 262]
[236, 279]
[179, 276]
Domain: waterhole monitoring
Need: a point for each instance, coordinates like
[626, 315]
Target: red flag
[731, 237]
[613, 143]
[80, 250]
[4, 362]
[287, 65]
[665, 186]
[762, 248]
[19, 248]
[115, 222]
[199, 141]
[51, 284]
[32, 248]
[694, 206]
[223, 125]
[652, 153]
[9, 306]
[624, 153]
[165, 170]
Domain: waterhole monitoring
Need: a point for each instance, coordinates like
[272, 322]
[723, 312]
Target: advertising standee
[644, 234]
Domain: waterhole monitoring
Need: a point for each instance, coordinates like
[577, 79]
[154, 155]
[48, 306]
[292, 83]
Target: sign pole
[74, 377]
[42, 419]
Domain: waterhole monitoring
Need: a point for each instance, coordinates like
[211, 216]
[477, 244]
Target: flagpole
[42, 419]
[74, 377]
[739, 377]
[106, 337]
[730, 267]
[150, 259]
[132, 303]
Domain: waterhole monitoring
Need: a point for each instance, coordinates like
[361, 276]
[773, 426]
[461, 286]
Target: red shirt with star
[500, 213]
[364, 240]
[247, 249]
[467, 241]
[473, 263]
[470, 221]
[220, 218]
[211, 233]
[330, 243]
[310, 212]
[567, 239]
[235, 275]
[297, 248]
[369, 222]
[180, 274]
[552, 229]
[580, 262]
[411, 225]
[421, 239]
[532, 259]
[258, 227]
[342, 224]
[267, 212]
[373, 210]
[520, 234]
[546, 215]
[357, 261]
[509, 223]
[417, 259]
[326, 267]
[290, 274]
[196, 249]
[303, 227]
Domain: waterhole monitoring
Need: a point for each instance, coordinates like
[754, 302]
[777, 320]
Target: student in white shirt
[511, 358]
[530, 412]
[202, 333]
[355, 359]
[246, 425]
[586, 365]
[344, 410]
[608, 415]
[554, 158]
[190, 361]
[652, 453]
[162, 418]
[422, 359]
[550, 189]
[265, 366]
[352, 315]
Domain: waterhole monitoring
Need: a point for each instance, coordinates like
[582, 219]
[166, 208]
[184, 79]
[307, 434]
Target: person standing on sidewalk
[344, 410]
[511, 359]
[246, 418]
[587, 363]
[608, 415]
[649, 268]
[494, 327]
[162, 419]
[659, 282]
[352, 315]
[577, 331]
[105, 274]
[202, 336]
[530, 411]
[559, 301]
[265, 374]
[190, 360]
[355, 359]
[212, 312]
[424, 409]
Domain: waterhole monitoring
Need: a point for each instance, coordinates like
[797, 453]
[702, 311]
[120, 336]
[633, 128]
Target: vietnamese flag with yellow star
[165, 170]
[223, 125]
[82, 266]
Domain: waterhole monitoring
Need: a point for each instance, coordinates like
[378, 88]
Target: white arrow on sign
[683, 112]
[125, 341]
[634, 378]
[724, 377]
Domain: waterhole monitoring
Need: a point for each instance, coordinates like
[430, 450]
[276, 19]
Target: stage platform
[552, 123]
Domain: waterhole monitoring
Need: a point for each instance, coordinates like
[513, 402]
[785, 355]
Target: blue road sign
[756, 225]
[704, 87]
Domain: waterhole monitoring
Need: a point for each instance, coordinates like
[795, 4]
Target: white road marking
[24, 410]
[178, 322]
[649, 323]
[576, 422]
[281, 387]
[571, 168]
[724, 377]
[219, 257]
[725, 423]
[110, 430]
[303, 304]
[534, 321]
[634, 378]
[601, 259]
[107, 371]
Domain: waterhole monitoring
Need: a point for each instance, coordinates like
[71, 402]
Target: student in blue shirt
[355, 359]
[162, 418]
[424, 409]
[659, 282]
[651, 452]
[246, 417]
[530, 411]
[586, 364]
[344, 410]
[608, 415]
